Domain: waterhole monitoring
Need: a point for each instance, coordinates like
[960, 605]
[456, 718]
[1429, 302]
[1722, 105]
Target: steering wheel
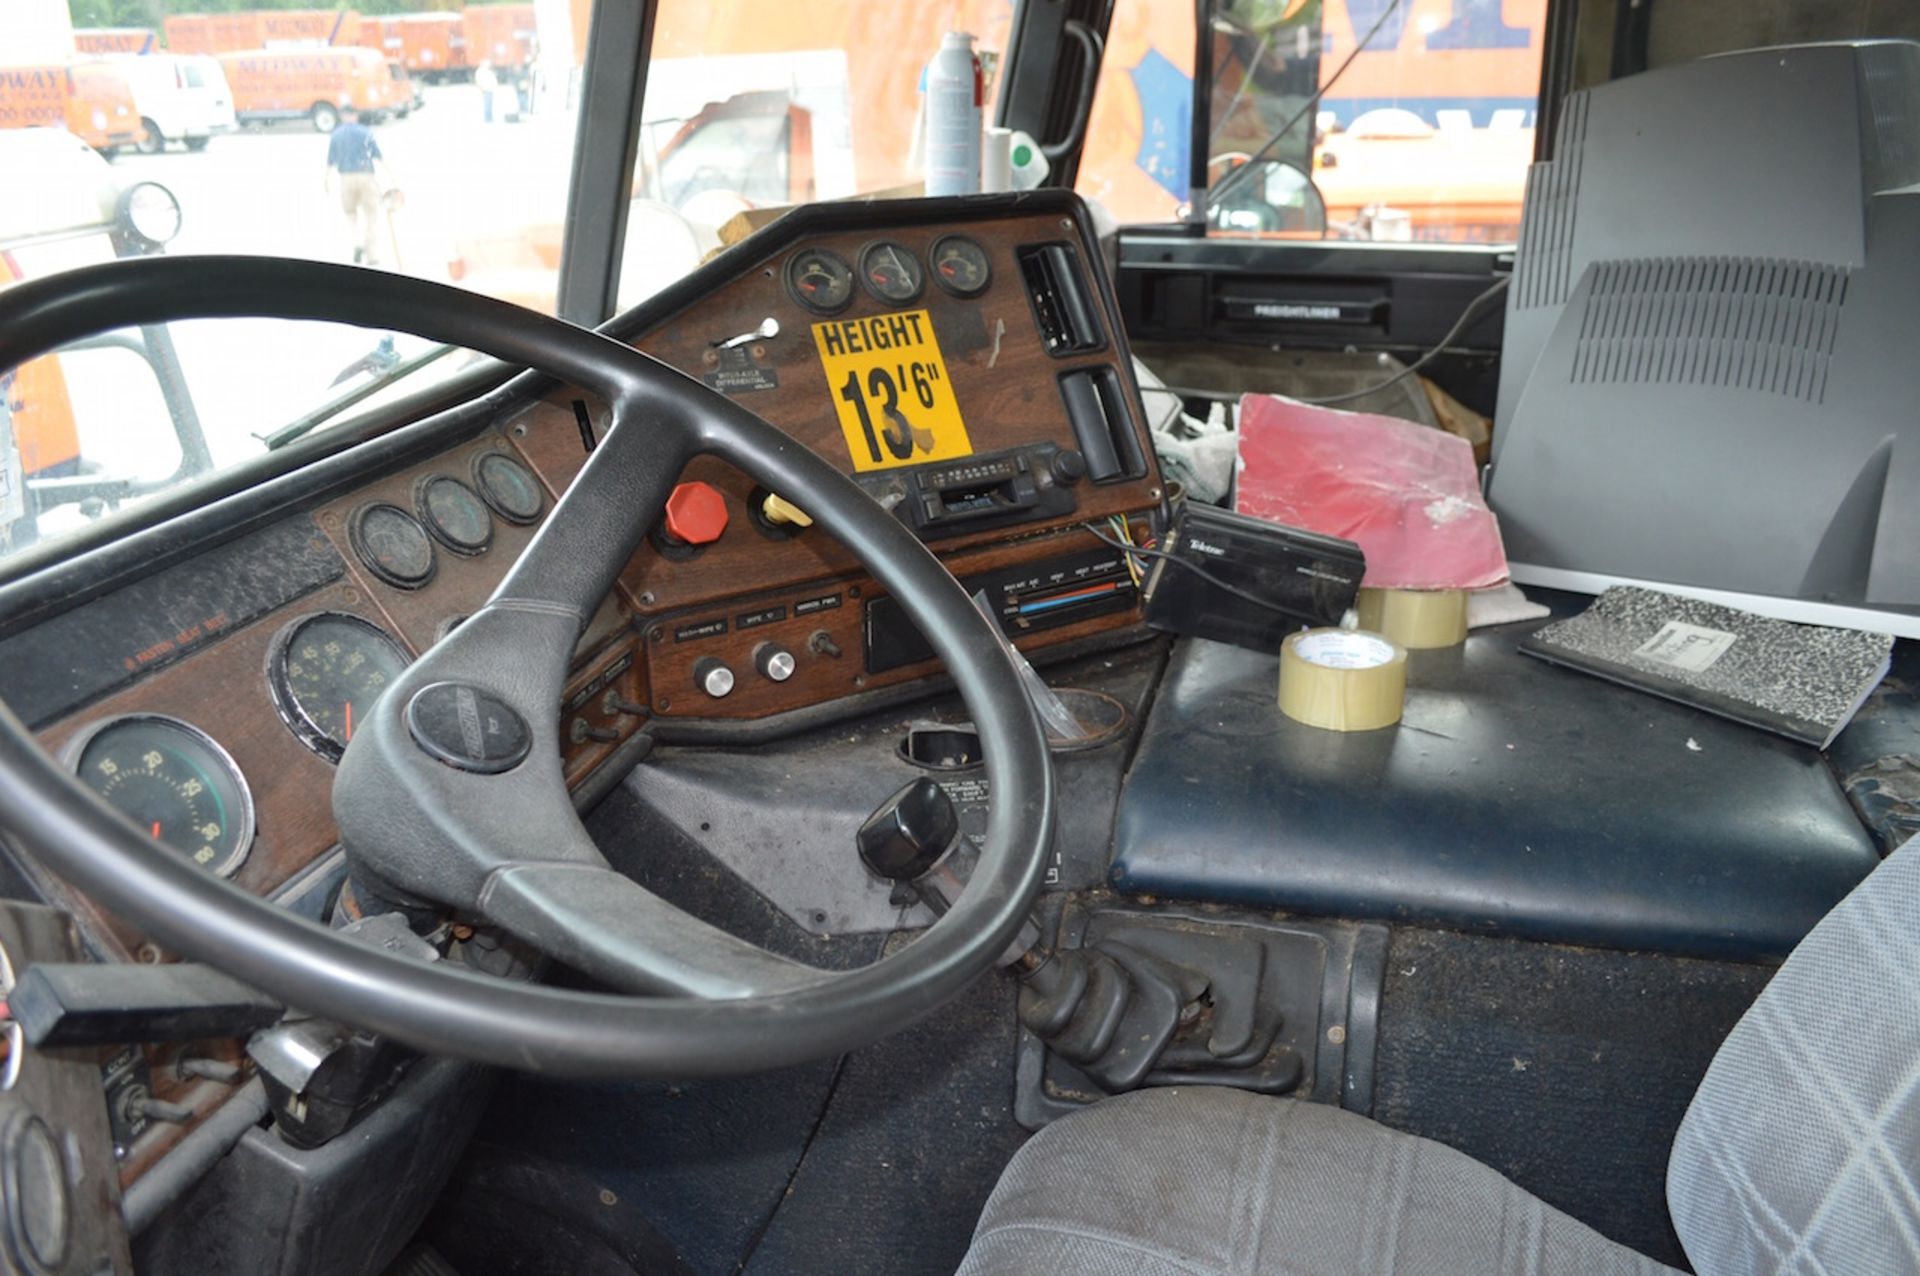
[484, 830]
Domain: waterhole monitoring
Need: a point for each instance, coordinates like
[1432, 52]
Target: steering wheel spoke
[609, 926]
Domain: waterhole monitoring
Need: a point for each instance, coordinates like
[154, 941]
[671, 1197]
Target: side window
[1422, 129]
[299, 133]
[1140, 133]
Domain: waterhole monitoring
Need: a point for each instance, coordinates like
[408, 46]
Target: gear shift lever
[1111, 1010]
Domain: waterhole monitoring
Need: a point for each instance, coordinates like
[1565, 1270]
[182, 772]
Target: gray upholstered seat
[1797, 1155]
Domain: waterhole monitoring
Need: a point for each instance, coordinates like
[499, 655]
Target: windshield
[1398, 120]
[409, 143]
[755, 105]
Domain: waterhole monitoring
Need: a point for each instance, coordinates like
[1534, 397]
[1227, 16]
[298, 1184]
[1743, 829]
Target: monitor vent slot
[1543, 265]
[1102, 426]
[1062, 303]
[1739, 322]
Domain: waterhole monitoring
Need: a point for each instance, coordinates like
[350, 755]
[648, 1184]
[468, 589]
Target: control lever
[100, 1004]
[1111, 1010]
[909, 841]
[321, 1075]
[769, 329]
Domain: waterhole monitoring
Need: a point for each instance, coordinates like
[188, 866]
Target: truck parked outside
[181, 98]
[261, 29]
[116, 40]
[503, 34]
[315, 84]
[431, 46]
[87, 97]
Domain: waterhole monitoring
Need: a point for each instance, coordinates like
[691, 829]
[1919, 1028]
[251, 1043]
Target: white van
[181, 97]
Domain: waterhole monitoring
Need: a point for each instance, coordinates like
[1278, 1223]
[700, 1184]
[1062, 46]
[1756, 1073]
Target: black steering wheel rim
[440, 1008]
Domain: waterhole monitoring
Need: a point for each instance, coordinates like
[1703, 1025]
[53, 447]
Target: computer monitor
[1711, 373]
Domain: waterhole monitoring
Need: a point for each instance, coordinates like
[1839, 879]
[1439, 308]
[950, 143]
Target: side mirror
[147, 217]
[1279, 197]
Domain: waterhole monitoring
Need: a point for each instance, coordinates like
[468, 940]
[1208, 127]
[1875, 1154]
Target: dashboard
[961, 360]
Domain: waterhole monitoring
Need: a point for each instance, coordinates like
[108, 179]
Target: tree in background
[148, 13]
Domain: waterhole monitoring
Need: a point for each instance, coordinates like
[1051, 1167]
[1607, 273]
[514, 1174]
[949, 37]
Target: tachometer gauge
[891, 272]
[325, 673]
[172, 781]
[820, 281]
[457, 518]
[960, 266]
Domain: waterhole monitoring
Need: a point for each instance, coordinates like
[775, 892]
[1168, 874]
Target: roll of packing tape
[1417, 619]
[1342, 679]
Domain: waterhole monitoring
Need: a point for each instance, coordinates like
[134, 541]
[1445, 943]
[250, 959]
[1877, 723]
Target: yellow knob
[784, 513]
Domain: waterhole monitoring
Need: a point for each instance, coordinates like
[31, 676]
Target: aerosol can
[953, 117]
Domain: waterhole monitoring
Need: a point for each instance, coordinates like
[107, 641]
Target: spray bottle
[953, 117]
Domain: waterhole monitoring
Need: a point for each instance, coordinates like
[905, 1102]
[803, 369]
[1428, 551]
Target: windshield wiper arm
[307, 422]
[1239, 175]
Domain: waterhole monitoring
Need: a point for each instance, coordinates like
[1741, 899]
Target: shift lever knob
[908, 834]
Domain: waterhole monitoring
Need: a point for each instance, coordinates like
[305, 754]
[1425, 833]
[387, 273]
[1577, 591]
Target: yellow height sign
[891, 389]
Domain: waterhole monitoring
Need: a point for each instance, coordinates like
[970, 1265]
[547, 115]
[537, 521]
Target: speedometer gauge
[891, 272]
[172, 781]
[325, 672]
[820, 281]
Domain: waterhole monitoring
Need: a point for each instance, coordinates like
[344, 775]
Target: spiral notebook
[1802, 681]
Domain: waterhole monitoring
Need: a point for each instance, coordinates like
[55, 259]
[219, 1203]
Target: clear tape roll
[1342, 679]
[1417, 619]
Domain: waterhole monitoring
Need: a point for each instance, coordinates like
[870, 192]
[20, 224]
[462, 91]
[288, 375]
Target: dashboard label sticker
[755, 619]
[737, 372]
[808, 606]
[701, 629]
[891, 390]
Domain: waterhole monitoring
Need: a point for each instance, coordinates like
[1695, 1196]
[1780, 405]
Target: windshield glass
[752, 106]
[1398, 120]
[420, 143]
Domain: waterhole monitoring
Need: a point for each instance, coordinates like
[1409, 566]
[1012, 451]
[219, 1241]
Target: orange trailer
[503, 34]
[261, 29]
[432, 46]
[89, 99]
[116, 40]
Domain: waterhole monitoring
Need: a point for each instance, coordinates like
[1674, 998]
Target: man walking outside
[353, 156]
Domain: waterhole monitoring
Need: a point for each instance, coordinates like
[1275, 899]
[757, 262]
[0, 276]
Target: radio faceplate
[1022, 485]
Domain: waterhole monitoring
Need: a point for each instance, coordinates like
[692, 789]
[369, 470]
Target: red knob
[696, 514]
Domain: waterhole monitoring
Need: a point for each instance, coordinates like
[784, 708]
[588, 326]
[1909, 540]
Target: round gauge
[509, 488]
[172, 781]
[457, 518]
[392, 544]
[326, 672]
[960, 266]
[891, 272]
[820, 281]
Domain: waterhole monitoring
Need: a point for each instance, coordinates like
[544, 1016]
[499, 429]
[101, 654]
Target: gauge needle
[349, 720]
[156, 828]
